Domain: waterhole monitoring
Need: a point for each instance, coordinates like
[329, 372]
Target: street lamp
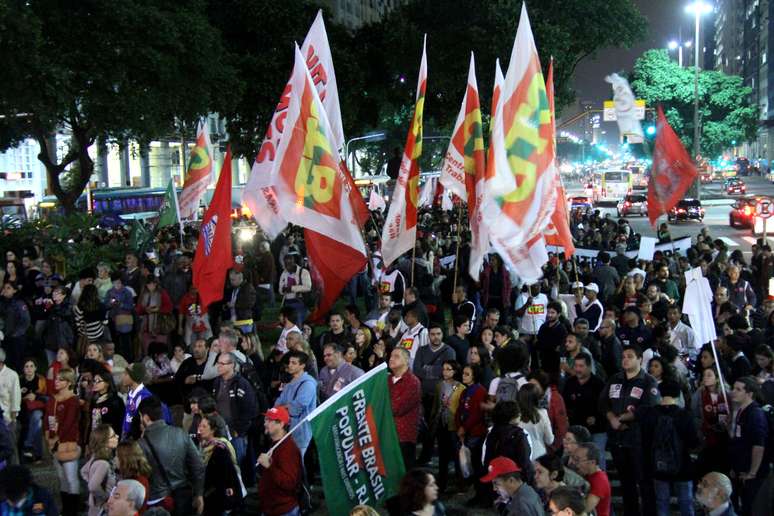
[697, 8]
[672, 45]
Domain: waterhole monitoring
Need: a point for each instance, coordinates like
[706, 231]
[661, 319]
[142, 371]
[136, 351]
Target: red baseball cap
[500, 466]
[280, 414]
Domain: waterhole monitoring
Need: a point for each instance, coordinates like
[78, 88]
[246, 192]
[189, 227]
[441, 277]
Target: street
[717, 206]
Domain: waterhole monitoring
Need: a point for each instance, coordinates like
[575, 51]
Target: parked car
[743, 212]
[735, 186]
[633, 204]
[686, 209]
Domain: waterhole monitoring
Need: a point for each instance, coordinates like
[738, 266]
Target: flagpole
[457, 254]
[413, 259]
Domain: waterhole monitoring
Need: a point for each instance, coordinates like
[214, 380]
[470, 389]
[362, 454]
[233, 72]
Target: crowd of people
[523, 395]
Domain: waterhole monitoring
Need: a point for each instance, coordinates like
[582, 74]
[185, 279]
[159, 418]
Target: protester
[19, 494]
[61, 425]
[516, 496]
[126, 499]
[406, 401]
[98, 472]
[282, 470]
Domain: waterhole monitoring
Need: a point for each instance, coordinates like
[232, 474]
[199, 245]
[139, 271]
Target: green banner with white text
[360, 459]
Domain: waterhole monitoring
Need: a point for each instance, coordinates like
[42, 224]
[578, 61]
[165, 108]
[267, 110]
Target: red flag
[359, 206]
[213, 253]
[558, 230]
[672, 173]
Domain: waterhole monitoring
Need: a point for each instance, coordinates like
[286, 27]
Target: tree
[725, 111]
[113, 70]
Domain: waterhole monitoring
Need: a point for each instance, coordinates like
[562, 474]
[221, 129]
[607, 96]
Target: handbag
[66, 452]
[165, 324]
[124, 323]
[466, 463]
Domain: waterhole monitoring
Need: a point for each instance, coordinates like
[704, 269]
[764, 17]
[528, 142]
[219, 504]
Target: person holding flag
[399, 233]
[197, 177]
[169, 211]
[213, 253]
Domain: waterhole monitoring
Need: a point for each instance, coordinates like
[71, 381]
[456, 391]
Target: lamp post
[697, 8]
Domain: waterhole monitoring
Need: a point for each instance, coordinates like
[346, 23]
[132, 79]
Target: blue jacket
[300, 398]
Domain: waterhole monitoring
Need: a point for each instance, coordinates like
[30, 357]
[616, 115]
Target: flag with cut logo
[259, 193]
[213, 256]
[521, 183]
[672, 173]
[311, 189]
[376, 201]
[197, 177]
[356, 438]
[399, 233]
[464, 169]
[169, 211]
[557, 232]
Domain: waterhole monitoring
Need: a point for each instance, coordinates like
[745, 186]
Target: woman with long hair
[13, 274]
[549, 474]
[376, 354]
[98, 472]
[154, 307]
[34, 395]
[90, 316]
[712, 413]
[132, 464]
[551, 400]
[534, 420]
[443, 417]
[94, 352]
[764, 364]
[479, 355]
[470, 422]
[56, 326]
[62, 432]
[486, 338]
[107, 407]
[223, 486]
[418, 494]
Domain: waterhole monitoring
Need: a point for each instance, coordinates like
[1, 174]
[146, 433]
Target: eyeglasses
[224, 363]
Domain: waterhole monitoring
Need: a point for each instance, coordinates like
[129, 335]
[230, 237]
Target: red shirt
[406, 398]
[67, 415]
[557, 414]
[470, 415]
[279, 483]
[599, 486]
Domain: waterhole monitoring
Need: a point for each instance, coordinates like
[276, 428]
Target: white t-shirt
[534, 316]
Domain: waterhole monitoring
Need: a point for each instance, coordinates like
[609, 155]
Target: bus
[128, 203]
[13, 211]
[614, 185]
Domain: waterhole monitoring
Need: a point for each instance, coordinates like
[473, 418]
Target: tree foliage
[113, 70]
[724, 108]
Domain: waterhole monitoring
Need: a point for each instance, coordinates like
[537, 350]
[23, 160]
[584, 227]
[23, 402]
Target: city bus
[128, 203]
[614, 185]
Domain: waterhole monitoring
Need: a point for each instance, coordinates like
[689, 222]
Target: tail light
[681, 210]
[627, 204]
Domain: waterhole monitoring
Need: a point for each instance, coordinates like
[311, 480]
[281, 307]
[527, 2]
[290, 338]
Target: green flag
[139, 236]
[169, 212]
[356, 439]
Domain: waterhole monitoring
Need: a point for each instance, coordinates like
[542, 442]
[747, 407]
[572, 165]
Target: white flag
[624, 102]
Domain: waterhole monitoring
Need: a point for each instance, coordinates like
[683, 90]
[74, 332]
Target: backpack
[667, 450]
[508, 388]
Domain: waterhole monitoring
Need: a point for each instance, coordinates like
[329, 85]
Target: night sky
[665, 18]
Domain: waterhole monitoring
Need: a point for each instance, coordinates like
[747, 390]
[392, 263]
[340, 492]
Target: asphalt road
[717, 206]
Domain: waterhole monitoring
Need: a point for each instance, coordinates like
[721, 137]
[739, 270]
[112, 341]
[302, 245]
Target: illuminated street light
[672, 45]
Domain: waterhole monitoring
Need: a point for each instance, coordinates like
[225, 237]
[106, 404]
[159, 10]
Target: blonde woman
[61, 424]
[99, 471]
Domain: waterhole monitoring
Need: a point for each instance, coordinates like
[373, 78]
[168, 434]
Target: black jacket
[243, 403]
[177, 455]
[685, 427]
[510, 441]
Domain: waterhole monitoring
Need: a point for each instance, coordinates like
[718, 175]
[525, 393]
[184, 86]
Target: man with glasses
[610, 347]
[337, 372]
[517, 497]
[235, 401]
[586, 460]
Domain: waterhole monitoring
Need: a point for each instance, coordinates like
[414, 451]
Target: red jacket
[406, 399]
[557, 414]
[67, 418]
[164, 308]
[470, 415]
[278, 486]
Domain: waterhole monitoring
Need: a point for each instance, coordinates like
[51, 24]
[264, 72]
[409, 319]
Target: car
[633, 204]
[580, 202]
[705, 176]
[735, 186]
[686, 209]
[742, 213]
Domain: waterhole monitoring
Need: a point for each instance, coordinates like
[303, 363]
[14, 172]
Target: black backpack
[667, 449]
[250, 373]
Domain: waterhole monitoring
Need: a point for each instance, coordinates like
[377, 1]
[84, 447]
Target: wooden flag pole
[457, 254]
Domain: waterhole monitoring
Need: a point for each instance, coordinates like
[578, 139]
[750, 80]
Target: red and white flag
[311, 189]
[198, 175]
[673, 170]
[464, 169]
[557, 232]
[259, 193]
[376, 201]
[400, 227]
[213, 256]
[521, 185]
